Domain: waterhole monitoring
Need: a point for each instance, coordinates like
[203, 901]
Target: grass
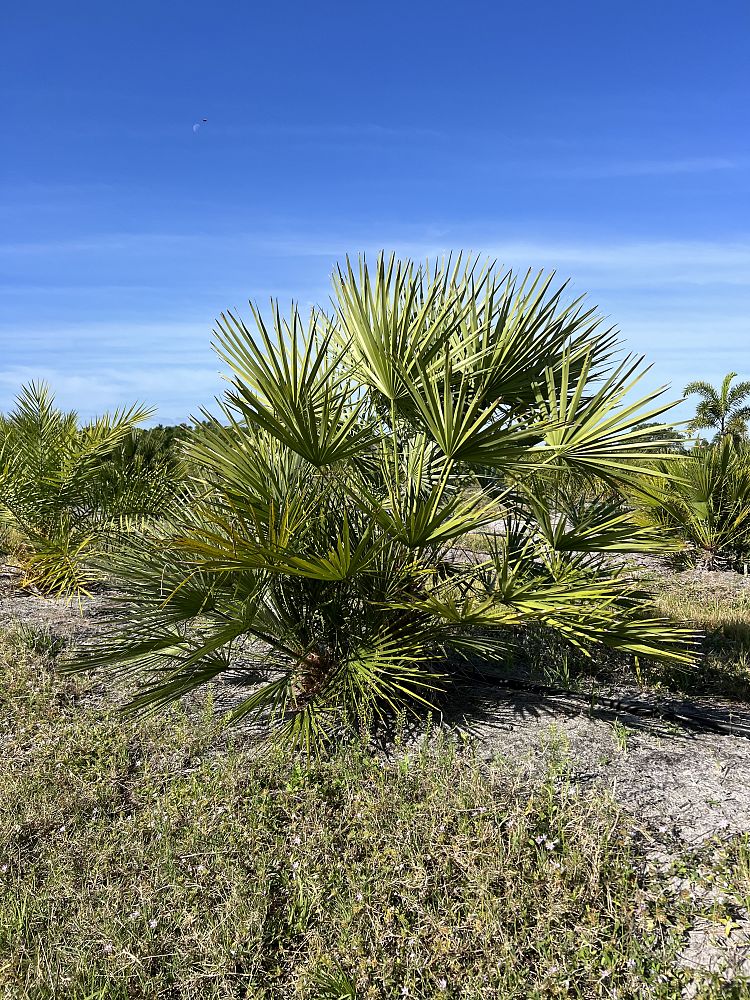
[158, 858]
[722, 615]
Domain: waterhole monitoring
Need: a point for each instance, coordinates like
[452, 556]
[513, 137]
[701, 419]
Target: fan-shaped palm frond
[601, 431]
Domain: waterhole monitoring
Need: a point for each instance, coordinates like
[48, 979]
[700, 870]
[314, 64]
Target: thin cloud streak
[649, 168]
[626, 263]
[178, 392]
[642, 263]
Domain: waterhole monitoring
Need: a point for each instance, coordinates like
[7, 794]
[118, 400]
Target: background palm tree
[721, 411]
[67, 488]
[702, 498]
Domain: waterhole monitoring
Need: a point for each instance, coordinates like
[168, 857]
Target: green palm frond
[400, 317]
[293, 386]
[600, 431]
[424, 509]
[705, 389]
[464, 417]
[515, 330]
[738, 393]
[724, 393]
[596, 525]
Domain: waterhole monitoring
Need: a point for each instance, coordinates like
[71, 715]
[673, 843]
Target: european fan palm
[64, 487]
[705, 503]
[320, 557]
[721, 411]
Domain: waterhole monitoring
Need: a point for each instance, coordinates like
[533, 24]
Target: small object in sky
[197, 125]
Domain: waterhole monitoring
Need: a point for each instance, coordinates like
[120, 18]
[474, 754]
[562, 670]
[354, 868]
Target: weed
[620, 735]
[37, 640]
[335, 985]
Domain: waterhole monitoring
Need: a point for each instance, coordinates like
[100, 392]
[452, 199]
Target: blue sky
[609, 141]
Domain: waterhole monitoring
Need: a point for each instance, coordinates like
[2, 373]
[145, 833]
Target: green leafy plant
[335, 985]
[39, 640]
[318, 557]
[705, 503]
[65, 487]
[722, 411]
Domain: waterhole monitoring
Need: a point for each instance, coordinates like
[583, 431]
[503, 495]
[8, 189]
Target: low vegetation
[66, 489]
[703, 499]
[721, 615]
[161, 858]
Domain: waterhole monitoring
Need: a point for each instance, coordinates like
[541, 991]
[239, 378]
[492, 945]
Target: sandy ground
[673, 780]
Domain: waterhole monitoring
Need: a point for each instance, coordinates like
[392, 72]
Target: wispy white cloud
[614, 263]
[108, 333]
[683, 303]
[179, 391]
[609, 263]
[648, 168]
[102, 243]
[638, 263]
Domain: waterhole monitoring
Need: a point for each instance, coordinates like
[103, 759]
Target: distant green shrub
[65, 487]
